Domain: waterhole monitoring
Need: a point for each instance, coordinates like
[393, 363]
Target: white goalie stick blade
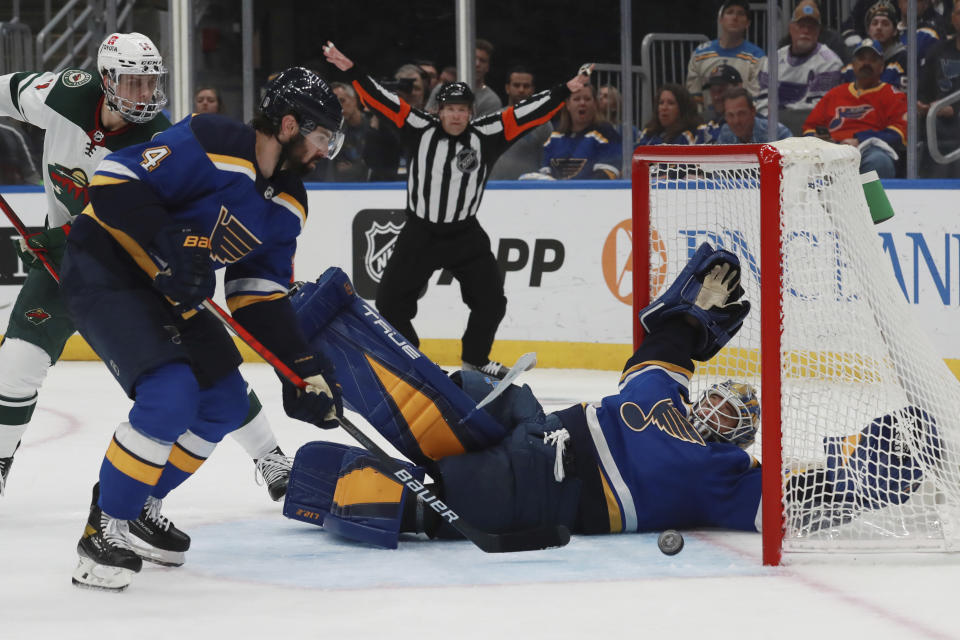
[524, 363]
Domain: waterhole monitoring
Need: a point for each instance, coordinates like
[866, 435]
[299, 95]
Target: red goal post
[767, 158]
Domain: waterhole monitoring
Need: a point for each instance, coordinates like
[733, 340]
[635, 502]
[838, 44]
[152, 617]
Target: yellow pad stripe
[184, 460]
[366, 486]
[99, 181]
[613, 509]
[130, 466]
[432, 433]
[129, 245]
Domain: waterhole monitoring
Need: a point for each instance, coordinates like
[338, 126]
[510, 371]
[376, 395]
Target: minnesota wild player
[86, 116]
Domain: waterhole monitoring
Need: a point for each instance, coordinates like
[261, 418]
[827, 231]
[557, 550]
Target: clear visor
[138, 97]
[326, 141]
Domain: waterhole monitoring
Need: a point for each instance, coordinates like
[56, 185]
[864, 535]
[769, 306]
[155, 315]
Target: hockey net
[854, 400]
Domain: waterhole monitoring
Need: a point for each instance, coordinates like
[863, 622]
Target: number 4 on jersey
[153, 156]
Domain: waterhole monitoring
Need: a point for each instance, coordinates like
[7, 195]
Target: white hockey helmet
[133, 74]
[727, 412]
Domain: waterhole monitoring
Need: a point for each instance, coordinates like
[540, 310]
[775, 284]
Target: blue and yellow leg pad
[347, 491]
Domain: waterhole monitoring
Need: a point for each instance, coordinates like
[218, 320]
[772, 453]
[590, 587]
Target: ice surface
[253, 574]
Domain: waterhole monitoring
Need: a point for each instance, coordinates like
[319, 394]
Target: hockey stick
[22, 230]
[524, 363]
[528, 540]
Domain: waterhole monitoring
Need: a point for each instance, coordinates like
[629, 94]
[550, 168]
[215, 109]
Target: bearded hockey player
[86, 116]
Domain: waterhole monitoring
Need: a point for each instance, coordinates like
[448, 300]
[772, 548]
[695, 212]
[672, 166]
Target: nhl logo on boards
[37, 316]
[381, 239]
[76, 78]
[467, 160]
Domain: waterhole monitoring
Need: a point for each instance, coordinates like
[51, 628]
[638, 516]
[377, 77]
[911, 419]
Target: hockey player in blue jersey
[208, 193]
[643, 459]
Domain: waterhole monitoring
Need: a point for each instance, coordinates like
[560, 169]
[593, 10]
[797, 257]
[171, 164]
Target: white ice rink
[251, 573]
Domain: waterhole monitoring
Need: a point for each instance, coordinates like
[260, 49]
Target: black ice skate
[106, 559]
[493, 369]
[274, 468]
[156, 539]
[5, 464]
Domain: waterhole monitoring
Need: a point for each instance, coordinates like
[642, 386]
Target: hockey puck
[670, 542]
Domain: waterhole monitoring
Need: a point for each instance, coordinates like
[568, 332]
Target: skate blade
[158, 556]
[90, 575]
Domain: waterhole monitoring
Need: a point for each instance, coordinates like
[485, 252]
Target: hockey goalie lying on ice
[644, 459]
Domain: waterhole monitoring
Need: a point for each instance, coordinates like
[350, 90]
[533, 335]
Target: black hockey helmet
[304, 94]
[455, 93]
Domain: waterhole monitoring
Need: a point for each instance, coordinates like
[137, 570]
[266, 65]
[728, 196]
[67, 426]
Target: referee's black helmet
[455, 93]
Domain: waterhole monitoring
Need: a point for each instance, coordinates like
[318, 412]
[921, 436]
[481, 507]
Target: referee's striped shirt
[447, 174]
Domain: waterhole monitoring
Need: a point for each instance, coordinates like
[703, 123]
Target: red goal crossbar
[768, 160]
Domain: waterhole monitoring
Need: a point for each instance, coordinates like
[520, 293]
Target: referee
[451, 156]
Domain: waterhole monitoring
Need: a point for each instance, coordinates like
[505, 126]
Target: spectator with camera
[806, 68]
[731, 47]
[676, 119]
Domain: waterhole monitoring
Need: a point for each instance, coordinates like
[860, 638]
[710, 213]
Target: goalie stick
[526, 540]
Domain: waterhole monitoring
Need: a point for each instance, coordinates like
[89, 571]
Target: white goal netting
[870, 414]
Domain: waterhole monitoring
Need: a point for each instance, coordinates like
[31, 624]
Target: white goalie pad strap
[23, 368]
[195, 445]
[142, 446]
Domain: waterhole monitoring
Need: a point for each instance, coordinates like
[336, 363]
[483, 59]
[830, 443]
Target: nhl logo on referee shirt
[468, 160]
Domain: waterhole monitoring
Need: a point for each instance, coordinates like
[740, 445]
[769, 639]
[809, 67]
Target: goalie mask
[727, 412]
[133, 76]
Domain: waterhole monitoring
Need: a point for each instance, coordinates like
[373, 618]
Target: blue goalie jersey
[203, 173]
[656, 470]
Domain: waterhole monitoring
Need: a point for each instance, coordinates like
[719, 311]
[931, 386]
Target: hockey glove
[321, 403]
[707, 290]
[188, 277]
[51, 243]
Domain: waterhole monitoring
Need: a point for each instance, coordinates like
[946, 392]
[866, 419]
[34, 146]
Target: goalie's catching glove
[321, 403]
[51, 243]
[188, 277]
[707, 290]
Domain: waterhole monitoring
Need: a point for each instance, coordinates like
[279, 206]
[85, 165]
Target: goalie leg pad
[368, 501]
[884, 463]
[313, 480]
[384, 378]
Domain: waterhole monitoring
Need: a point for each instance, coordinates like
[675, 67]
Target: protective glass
[324, 139]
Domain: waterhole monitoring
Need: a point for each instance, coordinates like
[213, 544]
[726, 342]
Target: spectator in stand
[881, 23]
[449, 74]
[417, 94]
[721, 78]
[743, 125]
[383, 153]
[867, 113]
[676, 119]
[584, 145]
[931, 26]
[731, 47]
[207, 100]
[828, 37]
[939, 78]
[487, 100]
[430, 69]
[806, 68]
[609, 104]
[525, 154]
